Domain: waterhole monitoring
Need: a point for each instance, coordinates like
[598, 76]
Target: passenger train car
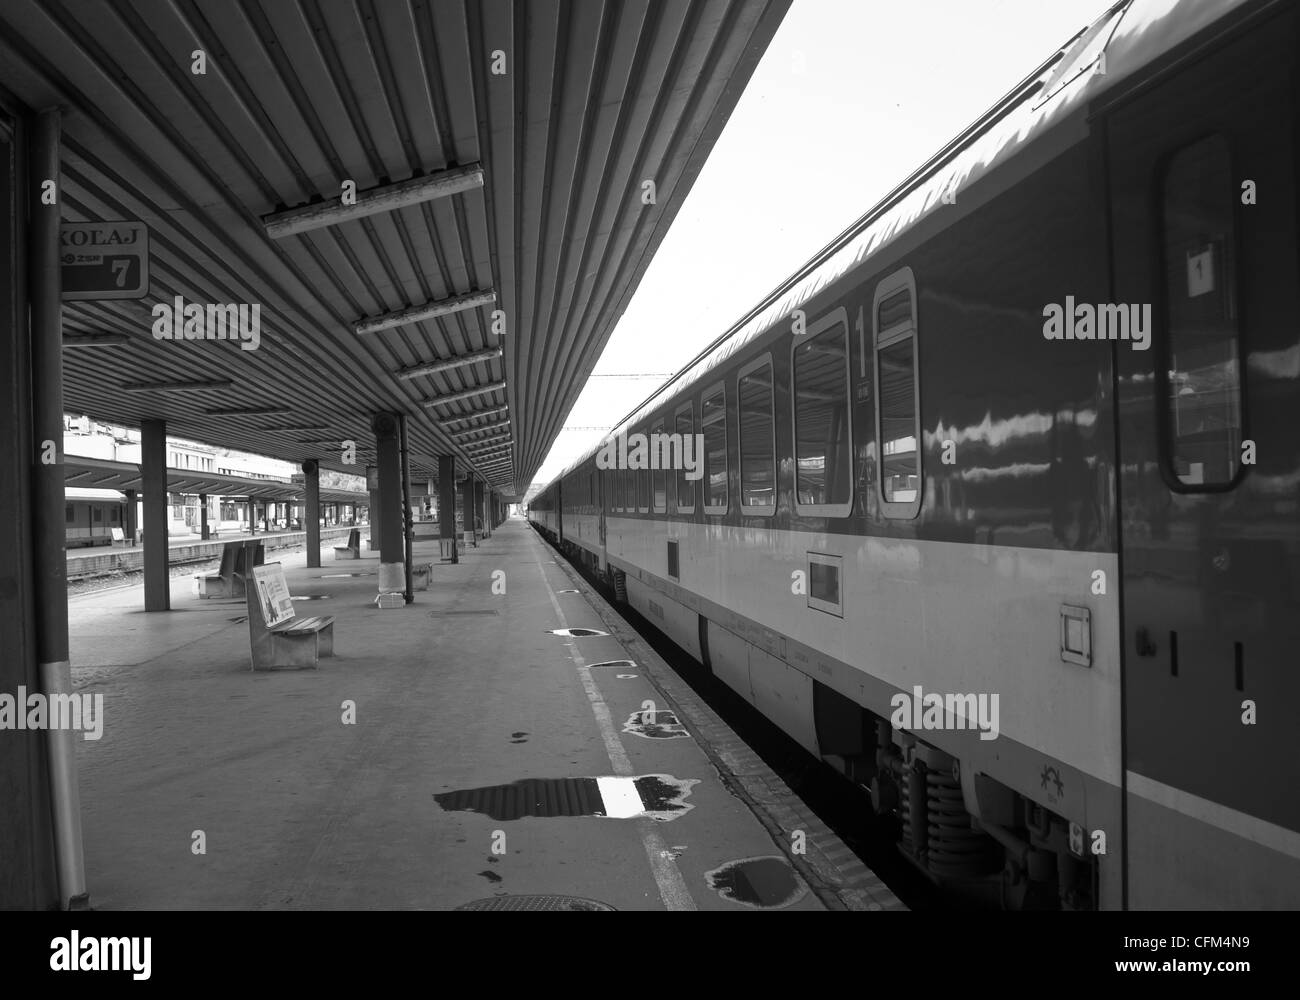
[91, 515]
[927, 476]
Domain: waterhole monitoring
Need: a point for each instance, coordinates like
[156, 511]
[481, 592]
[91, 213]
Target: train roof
[92, 493]
[1130, 35]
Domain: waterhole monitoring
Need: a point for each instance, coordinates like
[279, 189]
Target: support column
[447, 502]
[408, 518]
[480, 513]
[467, 505]
[153, 482]
[372, 485]
[311, 519]
[130, 526]
[49, 538]
[388, 445]
[203, 516]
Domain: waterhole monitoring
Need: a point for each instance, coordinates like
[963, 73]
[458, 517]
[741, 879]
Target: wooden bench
[278, 639]
[353, 549]
[421, 576]
[237, 562]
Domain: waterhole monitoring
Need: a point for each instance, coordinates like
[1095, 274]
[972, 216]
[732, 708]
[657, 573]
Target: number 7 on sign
[120, 268]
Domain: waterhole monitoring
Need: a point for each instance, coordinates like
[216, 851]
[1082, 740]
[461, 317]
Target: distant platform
[101, 559]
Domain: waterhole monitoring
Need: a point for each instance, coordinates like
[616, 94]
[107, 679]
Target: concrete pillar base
[392, 577]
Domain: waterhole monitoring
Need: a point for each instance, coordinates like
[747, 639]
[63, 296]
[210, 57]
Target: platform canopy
[396, 184]
[86, 478]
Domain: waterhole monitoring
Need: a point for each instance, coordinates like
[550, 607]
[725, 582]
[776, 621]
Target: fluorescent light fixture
[448, 363]
[95, 339]
[467, 394]
[473, 416]
[479, 428]
[387, 198]
[441, 307]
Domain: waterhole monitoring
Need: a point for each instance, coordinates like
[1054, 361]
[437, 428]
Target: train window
[823, 452]
[898, 395]
[69, 515]
[643, 489]
[660, 478]
[685, 428]
[757, 438]
[1204, 371]
[713, 418]
[97, 513]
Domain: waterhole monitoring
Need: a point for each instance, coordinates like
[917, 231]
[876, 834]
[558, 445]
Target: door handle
[1145, 645]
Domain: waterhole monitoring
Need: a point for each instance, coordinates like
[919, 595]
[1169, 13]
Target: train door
[1202, 178]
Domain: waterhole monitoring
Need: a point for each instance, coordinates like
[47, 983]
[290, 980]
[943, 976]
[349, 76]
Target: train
[994, 505]
[91, 515]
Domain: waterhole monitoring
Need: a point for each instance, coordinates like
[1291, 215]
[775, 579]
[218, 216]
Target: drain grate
[535, 903]
[479, 611]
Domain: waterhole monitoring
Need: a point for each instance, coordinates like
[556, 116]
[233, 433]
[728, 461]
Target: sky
[850, 97]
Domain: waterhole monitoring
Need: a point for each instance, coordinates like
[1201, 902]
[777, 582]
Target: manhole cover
[576, 631]
[535, 903]
[440, 614]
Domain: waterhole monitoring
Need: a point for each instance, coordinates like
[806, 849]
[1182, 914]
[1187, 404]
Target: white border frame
[901, 278]
[754, 509]
[836, 317]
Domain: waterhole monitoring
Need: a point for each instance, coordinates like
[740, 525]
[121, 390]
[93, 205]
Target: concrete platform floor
[465, 688]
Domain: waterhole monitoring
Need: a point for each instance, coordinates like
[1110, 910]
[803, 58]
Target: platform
[457, 694]
[102, 559]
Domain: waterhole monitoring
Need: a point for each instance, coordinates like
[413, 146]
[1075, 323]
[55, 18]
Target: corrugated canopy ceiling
[566, 108]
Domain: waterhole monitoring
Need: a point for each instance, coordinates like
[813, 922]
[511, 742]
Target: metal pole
[49, 531]
[406, 507]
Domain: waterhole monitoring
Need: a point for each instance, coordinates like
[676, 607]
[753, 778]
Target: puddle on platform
[567, 591]
[611, 663]
[763, 883]
[657, 725]
[579, 632]
[311, 597]
[490, 875]
[625, 677]
[518, 737]
[658, 796]
[339, 576]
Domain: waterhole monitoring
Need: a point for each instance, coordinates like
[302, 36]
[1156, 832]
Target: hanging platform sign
[104, 260]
